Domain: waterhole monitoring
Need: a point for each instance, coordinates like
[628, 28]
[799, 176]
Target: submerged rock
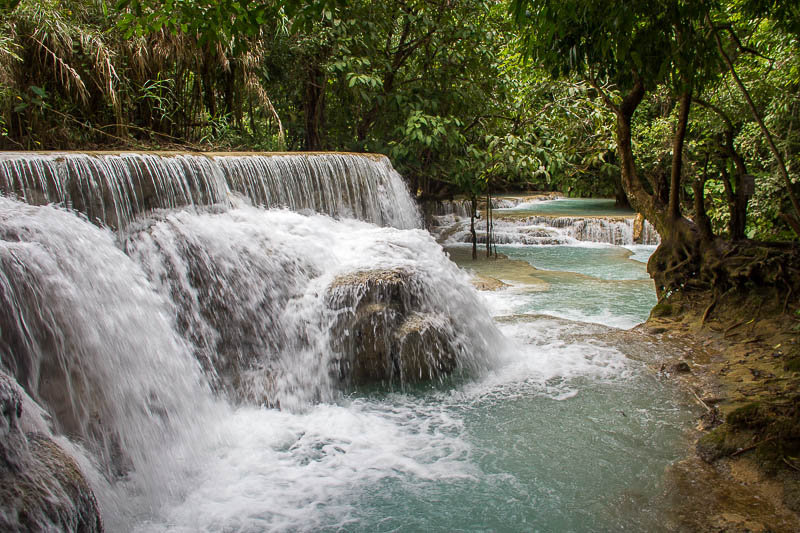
[383, 332]
[41, 486]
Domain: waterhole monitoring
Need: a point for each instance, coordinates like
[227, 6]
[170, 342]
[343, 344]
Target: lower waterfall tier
[133, 352]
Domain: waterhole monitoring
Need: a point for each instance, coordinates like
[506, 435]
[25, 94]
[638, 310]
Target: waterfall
[87, 337]
[559, 230]
[611, 230]
[139, 342]
[114, 189]
[340, 185]
[258, 294]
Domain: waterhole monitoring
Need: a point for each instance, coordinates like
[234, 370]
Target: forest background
[462, 95]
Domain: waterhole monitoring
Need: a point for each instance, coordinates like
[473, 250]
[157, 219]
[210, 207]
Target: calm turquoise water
[600, 284]
[571, 207]
[558, 455]
[600, 261]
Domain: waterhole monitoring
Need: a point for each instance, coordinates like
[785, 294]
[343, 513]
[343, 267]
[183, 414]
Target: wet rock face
[383, 331]
[41, 486]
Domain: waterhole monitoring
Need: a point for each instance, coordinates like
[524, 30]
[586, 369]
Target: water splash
[87, 337]
[534, 230]
[256, 294]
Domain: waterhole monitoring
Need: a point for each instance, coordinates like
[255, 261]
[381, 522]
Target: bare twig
[751, 447]
[704, 404]
[734, 326]
[785, 460]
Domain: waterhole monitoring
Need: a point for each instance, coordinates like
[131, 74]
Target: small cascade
[606, 230]
[533, 230]
[114, 189]
[611, 230]
[444, 208]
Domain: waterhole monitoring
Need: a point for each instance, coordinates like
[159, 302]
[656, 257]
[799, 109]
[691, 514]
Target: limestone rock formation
[383, 331]
[41, 486]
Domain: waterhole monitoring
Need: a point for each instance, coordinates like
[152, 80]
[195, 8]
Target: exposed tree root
[708, 310]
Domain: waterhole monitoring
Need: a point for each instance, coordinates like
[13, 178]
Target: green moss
[750, 415]
[719, 442]
[769, 431]
[792, 364]
[661, 310]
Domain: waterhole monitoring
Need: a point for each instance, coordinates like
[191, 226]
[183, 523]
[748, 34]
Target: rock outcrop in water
[41, 486]
[383, 334]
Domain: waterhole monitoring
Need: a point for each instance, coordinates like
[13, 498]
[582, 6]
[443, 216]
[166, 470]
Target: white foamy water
[279, 471]
[265, 277]
[115, 189]
[90, 341]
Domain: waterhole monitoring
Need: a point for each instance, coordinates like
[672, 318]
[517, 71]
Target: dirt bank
[742, 367]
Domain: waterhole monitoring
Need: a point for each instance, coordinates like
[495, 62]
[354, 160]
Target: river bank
[742, 370]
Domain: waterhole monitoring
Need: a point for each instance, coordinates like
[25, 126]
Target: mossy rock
[720, 442]
[662, 310]
[41, 486]
[768, 432]
[751, 415]
[383, 332]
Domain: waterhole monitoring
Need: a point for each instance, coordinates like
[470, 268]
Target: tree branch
[677, 156]
[770, 142]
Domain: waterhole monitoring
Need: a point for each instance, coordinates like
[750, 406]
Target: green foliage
[666, 49]
[750, 415]
[440, 86]
[617, 41]
[225, 22]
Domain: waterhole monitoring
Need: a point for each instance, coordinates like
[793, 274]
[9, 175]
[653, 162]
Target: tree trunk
[488, 222]
[677, 156]
[620, 198]
[473, 203]
[209, 98]
[641, 200]
[314, 108]
[738, 208]
[700, 215]
[734, 192]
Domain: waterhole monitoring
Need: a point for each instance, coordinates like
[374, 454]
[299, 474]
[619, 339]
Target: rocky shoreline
[743, 474]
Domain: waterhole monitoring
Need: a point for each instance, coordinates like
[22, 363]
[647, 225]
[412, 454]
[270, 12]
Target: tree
[646, 48]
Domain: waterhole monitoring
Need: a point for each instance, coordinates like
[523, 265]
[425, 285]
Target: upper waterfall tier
[114, 188]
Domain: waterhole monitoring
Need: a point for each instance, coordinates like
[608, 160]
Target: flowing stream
[194, 357]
